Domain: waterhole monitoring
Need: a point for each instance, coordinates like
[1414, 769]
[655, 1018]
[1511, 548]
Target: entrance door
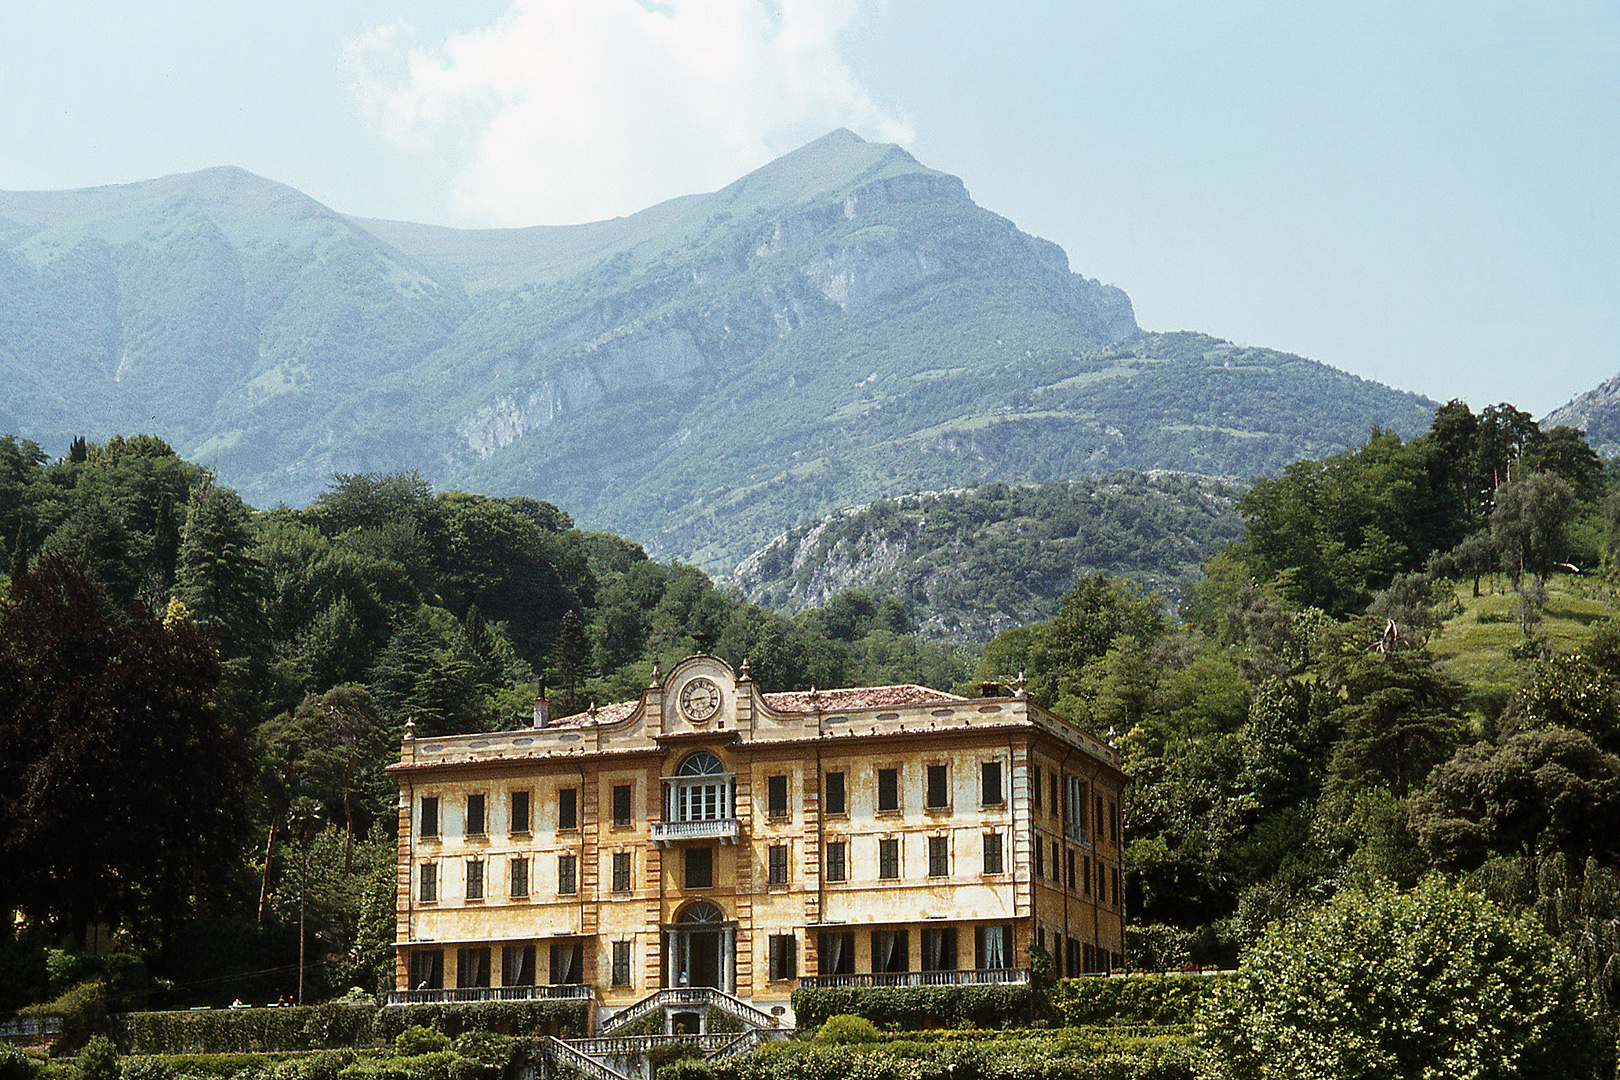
[702, 959]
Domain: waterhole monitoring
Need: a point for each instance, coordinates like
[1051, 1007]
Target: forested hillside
[192, 690]
[969, 564]
[1408, 664]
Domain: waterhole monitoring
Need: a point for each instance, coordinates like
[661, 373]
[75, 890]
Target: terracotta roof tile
[861, 697]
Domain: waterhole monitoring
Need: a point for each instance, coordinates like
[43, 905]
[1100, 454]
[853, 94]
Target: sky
[1422, 193]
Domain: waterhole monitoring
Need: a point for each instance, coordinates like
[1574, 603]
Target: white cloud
[576, 110]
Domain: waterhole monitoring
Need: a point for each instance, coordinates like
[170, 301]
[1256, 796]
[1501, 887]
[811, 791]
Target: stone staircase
[611, 1056]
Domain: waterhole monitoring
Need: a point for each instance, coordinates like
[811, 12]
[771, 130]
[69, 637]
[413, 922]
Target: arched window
[700, 791]
[701, 912]
[701, 763]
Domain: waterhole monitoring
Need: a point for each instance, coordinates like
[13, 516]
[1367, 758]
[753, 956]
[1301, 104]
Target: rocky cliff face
[1596, 412]
[836, 326]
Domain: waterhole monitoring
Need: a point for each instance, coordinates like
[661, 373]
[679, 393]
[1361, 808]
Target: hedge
[1145, 999]
[1057, 1056]
[334, 1027]
[913, 1008]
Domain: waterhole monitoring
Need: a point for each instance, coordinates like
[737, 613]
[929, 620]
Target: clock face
[700, 699]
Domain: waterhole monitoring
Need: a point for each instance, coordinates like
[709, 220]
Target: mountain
[1596, 412]
[837, 326]
[969, 564]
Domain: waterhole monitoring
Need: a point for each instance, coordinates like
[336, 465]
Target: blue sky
[1427, 194]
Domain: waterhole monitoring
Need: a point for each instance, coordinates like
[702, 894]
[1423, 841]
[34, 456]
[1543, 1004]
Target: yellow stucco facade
[712, 835]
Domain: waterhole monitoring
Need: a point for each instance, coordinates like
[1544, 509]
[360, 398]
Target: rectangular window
[889, 951]
[520, 877]
[992, 948]
[1035, 784]
[1040, 938]
[1115, 872]
[568, 874]
[475, 815]
[472, 966]
[939, 948]
[1074, 809]
[621, 871]
[778, 864]
[992, 853]
[1073, 949]
[1056, 806]
[889, 858]
[568, 808]
[427, 969]
[517, 965]
[835, 793]
[990, 783]
[520, 812]
[430, 820]
[1097, 805]
[838, 861]
[776, 796]
[888, 789]
[784, 957]
[1040, 860]
[700, 868]
[428, 891]
[1113, 820]
[621, 963]
[1085, 875]
[1057, 867]
[475, 879]
[939, 791]
[835, 953]
[1091, 957]
[567, 962]
[939, 856]
[623, 817]
[1071, 869]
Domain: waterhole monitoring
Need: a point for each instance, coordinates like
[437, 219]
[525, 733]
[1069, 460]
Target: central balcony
[726, 830]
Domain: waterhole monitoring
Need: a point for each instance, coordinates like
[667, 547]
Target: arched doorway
[701, 946]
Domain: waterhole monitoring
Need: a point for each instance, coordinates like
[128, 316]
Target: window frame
[939, 856]
[519, 824]
[776, 798]
[517, 877]
[840, 865]
[688, 865]
[893, 779]
[619, 964]
[477, 824]
[568, 809]
[626, 820]
[995, 861]
[783, 950]
[842, 808]
[889, 858]
[776, 857]
[987, 769]
[428, 883]
[624, 872]
[475, 879]
[423, 817]
[941, 772]
[568, 875]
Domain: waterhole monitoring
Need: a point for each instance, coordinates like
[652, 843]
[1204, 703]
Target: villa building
[710, 835]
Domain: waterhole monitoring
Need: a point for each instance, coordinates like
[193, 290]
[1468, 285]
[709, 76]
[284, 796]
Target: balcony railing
[726, 829]
[977, 977]
[488, 993]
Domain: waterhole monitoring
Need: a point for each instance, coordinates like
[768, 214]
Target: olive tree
[1437, 983]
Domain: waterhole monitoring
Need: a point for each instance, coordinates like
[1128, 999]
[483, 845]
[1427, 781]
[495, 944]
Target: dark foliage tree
[1537, 792]
[218, 578]
[122, 789]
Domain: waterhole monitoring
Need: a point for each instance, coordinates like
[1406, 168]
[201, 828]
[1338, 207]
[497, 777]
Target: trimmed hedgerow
[1148, 999]
[245, 1031]
[1063, 1055]
[564, 1018]
[914, 1008]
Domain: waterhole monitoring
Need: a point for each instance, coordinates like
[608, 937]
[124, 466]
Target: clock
[700, 700]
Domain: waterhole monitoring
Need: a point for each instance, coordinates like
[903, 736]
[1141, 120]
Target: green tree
[1530, 525]
[1436, 984]
[219, 580]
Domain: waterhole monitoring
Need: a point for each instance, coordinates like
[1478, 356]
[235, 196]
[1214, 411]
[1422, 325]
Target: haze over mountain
[841, 325]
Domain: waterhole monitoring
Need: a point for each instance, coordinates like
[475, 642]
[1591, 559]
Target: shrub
[98, 1060]
[565, 1018]
[1169, 999]
[145, 1068]
[15, 1065]
[416, 1040]
[83, 1010]
[498, 1054]
[915, 1008]
[1437, 983]
[214, 1031]
[844, 1029]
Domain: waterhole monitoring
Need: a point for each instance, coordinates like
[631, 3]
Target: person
[237, 1004]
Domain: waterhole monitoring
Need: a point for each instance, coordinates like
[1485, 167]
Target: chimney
[542, 709]
[991, 689]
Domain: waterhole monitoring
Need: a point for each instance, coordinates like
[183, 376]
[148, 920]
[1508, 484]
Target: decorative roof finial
[1023, 685]
[742, 672]
[410, 726]
[702, 639]
[657, 674]
[815, 699]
